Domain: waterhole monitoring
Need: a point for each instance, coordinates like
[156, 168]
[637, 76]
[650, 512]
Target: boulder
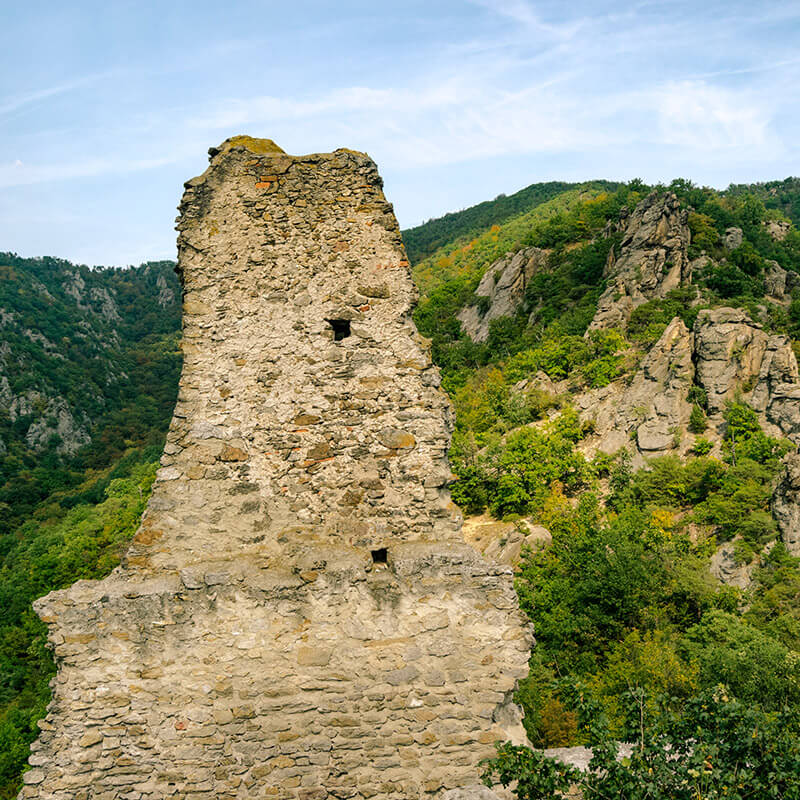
[504, 284]
[653, 260]
[655, 405]
[786, 503]
[661, 387]
[775, 280]
[725, 568]
[735, 357]
[729, 349]
[778, 228]
[733, 238]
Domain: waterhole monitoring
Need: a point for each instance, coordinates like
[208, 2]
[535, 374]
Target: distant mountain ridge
[423, 240]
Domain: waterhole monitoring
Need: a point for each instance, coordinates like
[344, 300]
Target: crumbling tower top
[309, 412]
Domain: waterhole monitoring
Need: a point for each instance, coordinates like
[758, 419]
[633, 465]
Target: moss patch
[262, 146]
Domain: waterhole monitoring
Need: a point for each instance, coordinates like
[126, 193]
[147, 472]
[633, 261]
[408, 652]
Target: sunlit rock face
[653, 259]
[298, 615]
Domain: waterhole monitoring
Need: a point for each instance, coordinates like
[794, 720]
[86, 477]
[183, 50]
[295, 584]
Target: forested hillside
[425, 239]
[617, 417]
[604, 444]
[89, 366]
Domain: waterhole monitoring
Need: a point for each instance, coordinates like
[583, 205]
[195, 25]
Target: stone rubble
[298, 615]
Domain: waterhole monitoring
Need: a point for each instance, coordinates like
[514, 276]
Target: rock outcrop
[503, 285]
[734, 356]
[298, 615]
[786, 503]
[727, 570]
[653, 260]
[733, 238]
[778, 283]
[778, 229]
[727, 356]
[654, 407]
[729, 350]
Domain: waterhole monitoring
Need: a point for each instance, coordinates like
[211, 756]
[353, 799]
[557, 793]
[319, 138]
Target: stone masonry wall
[298, 615]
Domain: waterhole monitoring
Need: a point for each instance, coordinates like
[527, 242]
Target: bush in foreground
[715, 748]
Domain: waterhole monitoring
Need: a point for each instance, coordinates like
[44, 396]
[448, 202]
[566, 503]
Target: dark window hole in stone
[379, 556]
[341, 328]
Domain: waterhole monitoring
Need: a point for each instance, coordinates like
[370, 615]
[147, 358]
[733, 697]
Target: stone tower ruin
[298, 615]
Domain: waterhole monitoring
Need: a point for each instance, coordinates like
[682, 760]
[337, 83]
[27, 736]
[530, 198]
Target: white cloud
[17, 173]
[16, 102]
[698, 116]
[524, 14]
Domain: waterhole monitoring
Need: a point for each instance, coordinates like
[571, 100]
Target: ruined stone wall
[298, 616]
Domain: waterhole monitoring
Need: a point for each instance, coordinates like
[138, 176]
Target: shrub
[697, 420]
[536, 776]
[704, 234]
[714, 748]
[702, 446]
[755, 666]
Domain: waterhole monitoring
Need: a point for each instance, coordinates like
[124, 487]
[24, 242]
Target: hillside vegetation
[623, 600]
[89, 366]
[425, 239]
[628, 614]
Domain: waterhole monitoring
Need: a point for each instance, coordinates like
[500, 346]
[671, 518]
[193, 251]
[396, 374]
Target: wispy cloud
[523, 13]
[585, 88]
[16, 102]
[19, 173]
[697, 116]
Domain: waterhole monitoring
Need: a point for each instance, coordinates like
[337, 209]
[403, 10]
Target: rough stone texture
[726, 570]
[660, 390]
[779, 283]
[653, 260]
[778, 229]
[729, 350]
[504, 284]
[476, 792]
[728, 355]
[298, 615]
[733, 238]
[775, 281]
[786, 503]
[654, 406]
[734, 355]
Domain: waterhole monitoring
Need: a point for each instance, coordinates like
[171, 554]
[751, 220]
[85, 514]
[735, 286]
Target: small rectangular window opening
[341, 328]
[379, 556]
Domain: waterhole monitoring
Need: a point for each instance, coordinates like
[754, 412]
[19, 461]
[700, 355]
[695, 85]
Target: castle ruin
[298, 615]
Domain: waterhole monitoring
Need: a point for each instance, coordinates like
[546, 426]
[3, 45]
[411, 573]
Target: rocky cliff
[298, 615]
[654, 259]
[67, 332]
[726, 354]
[502, 290]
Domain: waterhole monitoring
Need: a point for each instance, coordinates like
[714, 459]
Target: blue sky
[106, 108]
